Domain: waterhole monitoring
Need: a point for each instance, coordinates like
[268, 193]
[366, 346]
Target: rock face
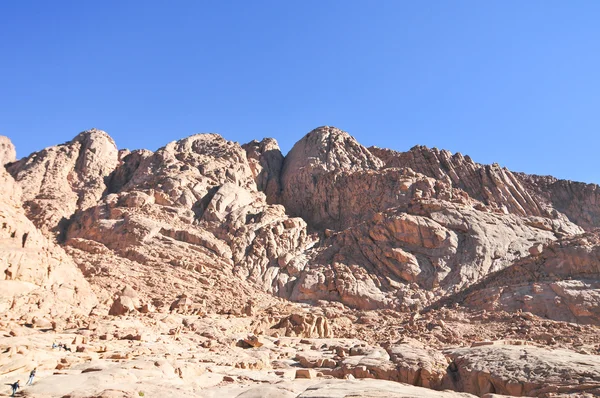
[8, 153]
[37, 278]
[312, 166]
[396, 238]
[60, 180]
[439, 248]
[195, 205]
[333, 220]
[266, 162]
[578, 201]
[496, 187]
[561, 282]
[217, 269]
[501, 190]
[525, 371]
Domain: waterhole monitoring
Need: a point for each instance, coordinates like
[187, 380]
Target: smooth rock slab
[372, 389]
[524, 370]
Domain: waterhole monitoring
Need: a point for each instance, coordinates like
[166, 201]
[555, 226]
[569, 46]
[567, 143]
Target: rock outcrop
[496, 187]
[404, 362]
[218, 269]
[524, 371]
[373, 228]
[313, 165]
[37, 278]
[195, 205]
[391, 230]
[266, 161]
[60, 180]
[8, 153]
[580, 202]
[559, 281]
[392, 236]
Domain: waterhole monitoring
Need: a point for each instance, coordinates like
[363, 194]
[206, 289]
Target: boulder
[524, 370]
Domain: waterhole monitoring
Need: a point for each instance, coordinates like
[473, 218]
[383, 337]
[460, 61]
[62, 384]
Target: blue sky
[513, 82]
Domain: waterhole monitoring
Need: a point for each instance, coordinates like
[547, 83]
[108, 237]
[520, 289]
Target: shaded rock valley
[213, 269]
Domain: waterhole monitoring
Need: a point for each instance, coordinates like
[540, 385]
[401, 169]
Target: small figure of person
[15, 386]
[31, 376]
[54, 345]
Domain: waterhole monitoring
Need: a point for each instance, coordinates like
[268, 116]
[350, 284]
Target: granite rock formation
[60, 180]
[39, 282]
[220, 269]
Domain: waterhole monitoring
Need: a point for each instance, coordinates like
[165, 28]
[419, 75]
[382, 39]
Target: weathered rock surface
[8, 153]
[561, 281]
[436, 246]
[391, 235]
[524, 371]
[308, 325]
[501, 190]
[408, 239]
[193, 250]
[311, 167]
[37, 278]
[405, 362]
[126, 302]
[372, 389]
[60, 180]
[266, 162]
[404, 241]
[580, 202]
[496, 187]
[194, 204]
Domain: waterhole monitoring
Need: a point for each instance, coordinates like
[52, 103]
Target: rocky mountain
[39, 282]
[333, 240]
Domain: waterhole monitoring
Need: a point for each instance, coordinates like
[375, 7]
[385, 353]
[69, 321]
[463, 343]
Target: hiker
[15, 387]
[31, 376]
[54, 345]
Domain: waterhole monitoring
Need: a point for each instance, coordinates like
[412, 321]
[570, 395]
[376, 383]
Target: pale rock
[525, 370]
[60, 180]
[305, 374]
[37, 278]
[8, 154]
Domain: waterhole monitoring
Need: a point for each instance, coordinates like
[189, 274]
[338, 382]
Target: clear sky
[513, 82]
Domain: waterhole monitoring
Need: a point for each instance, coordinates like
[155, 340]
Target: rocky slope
[60, 180]
[333, 220]
[39, 282]
[206, 244]
[559, 281]
[401, 229]
[496, 187]
[577, 200]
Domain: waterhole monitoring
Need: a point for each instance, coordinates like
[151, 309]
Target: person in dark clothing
[15, 386]
[31, 376]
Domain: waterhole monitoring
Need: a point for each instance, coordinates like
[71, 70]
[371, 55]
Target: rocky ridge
[377, 244]
[39, 282]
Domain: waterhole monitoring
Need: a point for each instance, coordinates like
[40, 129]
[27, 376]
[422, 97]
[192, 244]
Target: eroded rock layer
[334, 261]
[39, 282]
[333, 220]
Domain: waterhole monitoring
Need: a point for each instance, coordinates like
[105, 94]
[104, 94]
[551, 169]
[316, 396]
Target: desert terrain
[210, 268]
